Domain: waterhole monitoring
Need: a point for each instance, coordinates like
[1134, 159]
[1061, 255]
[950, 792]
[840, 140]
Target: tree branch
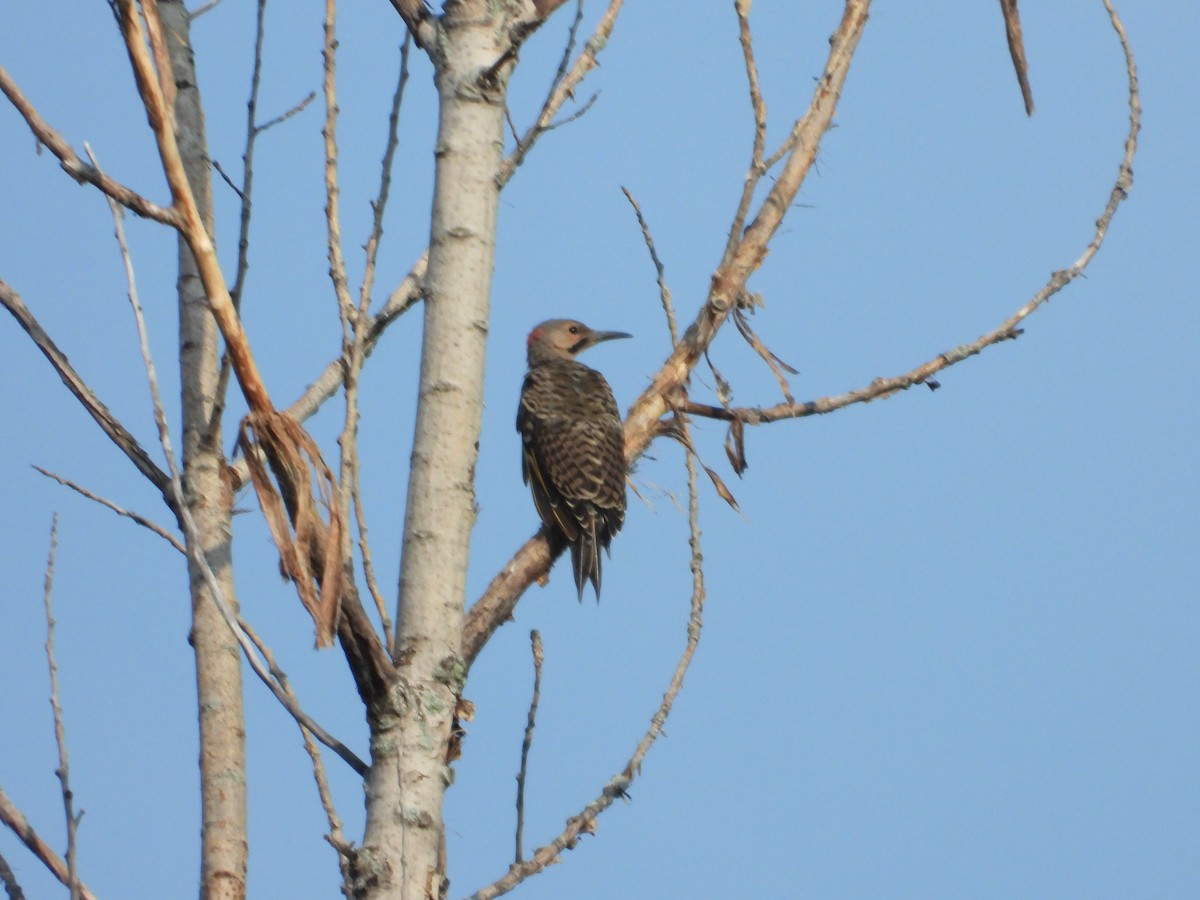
[759, 109]
[333, 225]
[245, 194]
[11, 886]
[563, 89]
[419, 21]
[108, 423]
[527, 743]
[60, 731]
[19, 825]
[120, 511]
[664, 292]
[73, 165]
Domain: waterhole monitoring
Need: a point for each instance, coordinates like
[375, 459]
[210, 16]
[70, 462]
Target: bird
[572, 444]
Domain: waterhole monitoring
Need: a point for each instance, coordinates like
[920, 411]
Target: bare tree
[410, 675]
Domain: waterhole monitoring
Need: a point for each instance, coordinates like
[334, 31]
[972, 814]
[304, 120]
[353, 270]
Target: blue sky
[950, 642]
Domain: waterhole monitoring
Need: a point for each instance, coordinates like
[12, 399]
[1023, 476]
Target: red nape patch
[533, 336]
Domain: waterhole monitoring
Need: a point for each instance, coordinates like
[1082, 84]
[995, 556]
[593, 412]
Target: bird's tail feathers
[585, 559]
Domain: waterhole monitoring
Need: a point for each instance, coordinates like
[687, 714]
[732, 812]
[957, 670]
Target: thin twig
[368, 565]
[203, 8]
[618, 785]
[559, 74]
[356, 331]
[336, 836]
[108, 423]
[563, 89]
[60, 730]
[564, 61]
[233, 187]
[120, 511]
[773, 362]
[759, 109]
[287, 114]
[337, 264]
[664, 292]
[27, 835]
[245, 195]
[535, 639]
[385, 184]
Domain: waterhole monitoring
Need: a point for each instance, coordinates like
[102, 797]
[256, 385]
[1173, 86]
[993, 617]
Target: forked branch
[1009, 329]
[27, 835]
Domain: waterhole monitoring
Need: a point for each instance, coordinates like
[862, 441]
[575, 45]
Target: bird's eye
[574, 329]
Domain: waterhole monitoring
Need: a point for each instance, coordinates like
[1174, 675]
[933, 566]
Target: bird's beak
[597, 337]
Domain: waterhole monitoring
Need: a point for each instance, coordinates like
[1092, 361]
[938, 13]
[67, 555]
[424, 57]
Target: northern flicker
[572, 444]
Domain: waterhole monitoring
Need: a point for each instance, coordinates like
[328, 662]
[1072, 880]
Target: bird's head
[564, 339]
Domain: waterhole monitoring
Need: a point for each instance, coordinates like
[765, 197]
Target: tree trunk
[403, 853]
[218, 659]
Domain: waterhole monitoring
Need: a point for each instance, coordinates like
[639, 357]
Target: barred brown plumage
[572, 444]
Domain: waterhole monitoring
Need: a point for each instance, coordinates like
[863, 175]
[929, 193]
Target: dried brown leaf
[464, 709]
[723, 491]
[735, 446]
[1016, 49]
[309, 549]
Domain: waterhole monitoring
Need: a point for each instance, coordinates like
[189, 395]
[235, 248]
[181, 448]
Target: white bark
[402, 855]
[218, 658]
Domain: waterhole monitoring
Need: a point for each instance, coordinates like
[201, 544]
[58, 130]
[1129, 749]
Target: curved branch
[618, 785]
[1008, 329]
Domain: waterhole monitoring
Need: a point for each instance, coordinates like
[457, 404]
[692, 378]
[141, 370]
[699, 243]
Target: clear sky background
[951, 643]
